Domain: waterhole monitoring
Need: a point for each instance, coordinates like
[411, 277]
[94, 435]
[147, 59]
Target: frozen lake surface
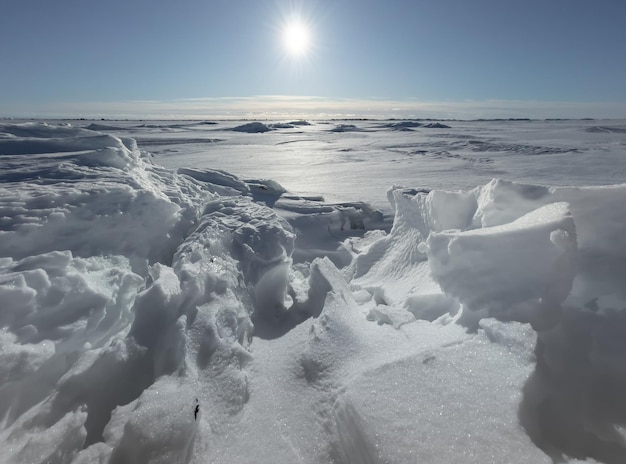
[361, 162]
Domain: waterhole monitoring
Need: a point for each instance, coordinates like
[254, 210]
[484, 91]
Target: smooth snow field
[313, 292]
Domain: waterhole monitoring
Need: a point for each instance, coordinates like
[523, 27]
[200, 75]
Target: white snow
[219, 309]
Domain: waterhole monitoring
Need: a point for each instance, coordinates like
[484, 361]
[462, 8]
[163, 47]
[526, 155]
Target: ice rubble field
[157, 308]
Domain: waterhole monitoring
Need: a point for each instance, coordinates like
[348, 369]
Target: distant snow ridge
[156, 316]
[606, 129]
[408, 125]
[346, 128]
[402, 125]
[259, 127]
[436, 125]
[252, 127]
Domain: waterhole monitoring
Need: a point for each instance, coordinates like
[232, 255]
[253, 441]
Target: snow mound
[525, 267]
[252, 127]
[104, 127]
[220, 181]
[606, 130]
[345, 128]
[545, 245]
[281, 125]
[92, 195]
[115, 275]
[42, 130]
[435, 125]
[402, 125]
[527, 253]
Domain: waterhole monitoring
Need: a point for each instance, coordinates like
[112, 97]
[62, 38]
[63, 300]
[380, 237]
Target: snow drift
[152, 315]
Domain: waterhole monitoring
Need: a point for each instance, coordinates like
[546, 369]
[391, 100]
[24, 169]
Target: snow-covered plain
[331, 291]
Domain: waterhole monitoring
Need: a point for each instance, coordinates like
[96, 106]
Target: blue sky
[442, 58]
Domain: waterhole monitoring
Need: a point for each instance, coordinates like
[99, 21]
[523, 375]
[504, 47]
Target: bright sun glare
[296, 38]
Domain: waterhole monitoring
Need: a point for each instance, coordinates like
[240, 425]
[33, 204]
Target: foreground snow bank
[548, 256]
[191, 316]
[500, 249]
[112, 270]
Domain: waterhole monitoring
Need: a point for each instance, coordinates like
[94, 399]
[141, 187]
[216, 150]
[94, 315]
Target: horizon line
[271, 107]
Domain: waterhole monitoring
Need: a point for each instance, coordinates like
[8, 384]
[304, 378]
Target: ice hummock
[152, 315]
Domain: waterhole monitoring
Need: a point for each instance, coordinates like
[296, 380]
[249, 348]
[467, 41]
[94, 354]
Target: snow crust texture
[152, 315]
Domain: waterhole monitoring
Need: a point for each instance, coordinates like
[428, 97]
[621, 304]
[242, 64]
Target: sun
[296, 38]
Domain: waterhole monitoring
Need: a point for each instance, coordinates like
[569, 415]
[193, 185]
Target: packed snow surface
[158, 306]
